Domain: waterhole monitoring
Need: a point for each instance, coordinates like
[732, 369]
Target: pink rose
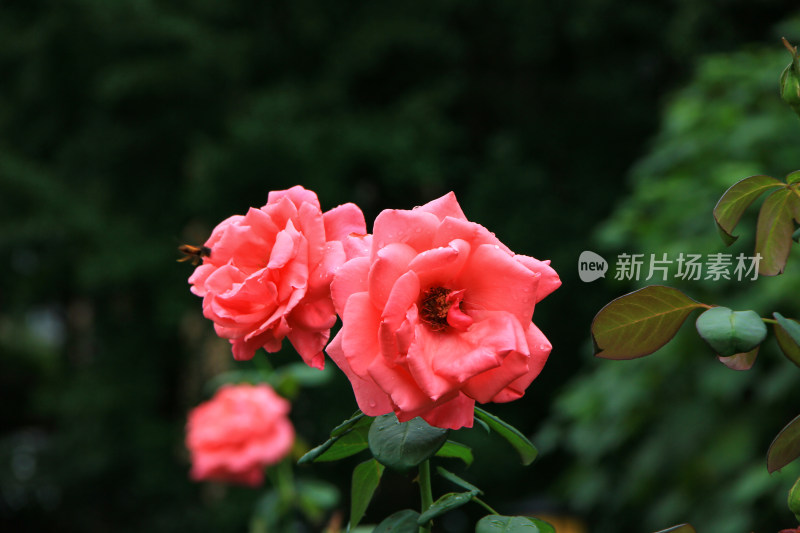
[269, 272]
[438, 316]
[238, 432]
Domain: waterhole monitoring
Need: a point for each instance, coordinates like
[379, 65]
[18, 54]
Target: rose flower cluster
[436, 312]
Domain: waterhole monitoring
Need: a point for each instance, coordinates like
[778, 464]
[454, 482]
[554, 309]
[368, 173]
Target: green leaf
[458, 481]
[404, 445]
[404, 521]
[366, 477]
[234, 376]
[266, 513]
[793, 177]
[793, 501]
[683, 528]
[791, 326]
[786, 446]
[527, 451]
[796, 235]
[731, 332]
[349, 443]
[512, 524]
[740, 361]
[456, 450]
[737, 198]
[297, 375]
[449, 501]
[484, 425]
[774, 230]
[315, 497]
[544, 527]
[787, 332]
[356, 422]
[348, 424]
[641, 322]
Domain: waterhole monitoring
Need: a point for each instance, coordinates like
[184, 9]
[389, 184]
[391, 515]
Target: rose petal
[286, 245]
[422, 354]
[309, 344]
[539, 348]
[494, 281]
[343, 220]
[408, 398]
[451, 229]
[370, 398]
[360, 323]
[440, 266]
[389, 263]
[414, 228]
[311, 226]
[485, 387]
[549, 280]
[319, 282]
[297, 195]
[446, 206]
[455, 414]
[357, 245]
[403, 295]
[349, 279]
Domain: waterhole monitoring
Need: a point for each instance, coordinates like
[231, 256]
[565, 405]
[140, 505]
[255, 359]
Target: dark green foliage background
[129, 127]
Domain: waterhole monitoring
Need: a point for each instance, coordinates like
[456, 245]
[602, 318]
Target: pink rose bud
[238, 432]
[438, 316]
[266, 275]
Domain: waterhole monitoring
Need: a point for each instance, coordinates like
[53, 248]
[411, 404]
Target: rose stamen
[438, 312]
[434, 307]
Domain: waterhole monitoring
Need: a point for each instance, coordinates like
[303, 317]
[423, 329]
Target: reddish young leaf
[740, 361]
[641, 322]
[737, 198]
[786, 446]
[774, 230]
[787, 332]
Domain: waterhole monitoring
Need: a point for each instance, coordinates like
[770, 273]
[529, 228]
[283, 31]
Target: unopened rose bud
[790, 80]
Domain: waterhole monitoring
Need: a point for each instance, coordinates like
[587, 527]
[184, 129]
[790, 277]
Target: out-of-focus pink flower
[269, 272]
[795, 530]
[438, 316]
[238, 432]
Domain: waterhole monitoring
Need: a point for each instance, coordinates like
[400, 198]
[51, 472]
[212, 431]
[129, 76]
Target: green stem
[769, 321]
[426, 495]
[484, 504]
[284, 483]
